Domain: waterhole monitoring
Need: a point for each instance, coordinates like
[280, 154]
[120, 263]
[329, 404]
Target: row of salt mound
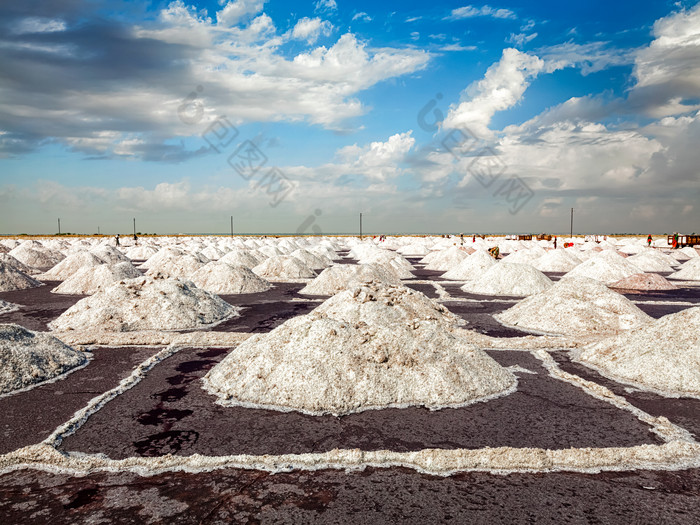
[339, 278]
[6, 307]
[607, 267]
[575, 306]
[370, 347]
[12, 279]
[92, 279]
[562, 260]
[689, 271]
[447, 259]
[663, 355]
[42, 259]
[146, 304]
[222, 278]
[31, 357]
[10, 261]
[472, 267]
[644, 282]
[282, 268]
[510, 279]
[70, 265]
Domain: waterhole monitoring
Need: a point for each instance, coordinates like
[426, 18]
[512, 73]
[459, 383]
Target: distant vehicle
[685, 240]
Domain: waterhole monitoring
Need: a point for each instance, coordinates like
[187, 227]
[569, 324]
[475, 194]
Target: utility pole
[360, 226]
[98, 230]
[571, 234]
[59, 226]
[231, 225]
[134, 226]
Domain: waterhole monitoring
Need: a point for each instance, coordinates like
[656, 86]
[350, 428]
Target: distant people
[649, 241]
[461, 239]
[555, 242]
[117, 239]
[674, 245]
[473, 238]
[136, 239]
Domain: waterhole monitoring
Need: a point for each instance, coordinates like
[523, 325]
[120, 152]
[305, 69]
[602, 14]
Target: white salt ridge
[220, 278]
[6, 308]
[313, 261]
[557, 261]
[511, 279]
[663, 356]
[605, 268]
[146, 304]
[70, 265]
[334, 361]
[12, 279]
[576, 306]
[447, 259]
[282, 268]
[32, 357]
[91, 279]
[689, 271]
[338, 278]
[472, 267]
[241, 258]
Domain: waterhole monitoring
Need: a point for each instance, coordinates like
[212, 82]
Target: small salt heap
[648, 262]
[313, 261]
[663, 356]
[6, 307]
[283, 268]
[241, 258]
[91, 279]
[472, 267]
[146, 304]
[689, 271]
[447, 259]
[511, 279]
[557, 261]
[576, 306]
[36, 256]
[338, 278]
[607, 267]
[10, 261]
[70, 265]
[226, 279]
[183, 266]
[32, 357]
[648, 282]
[12, 279]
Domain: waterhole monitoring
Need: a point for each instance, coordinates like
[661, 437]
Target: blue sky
[106, 108]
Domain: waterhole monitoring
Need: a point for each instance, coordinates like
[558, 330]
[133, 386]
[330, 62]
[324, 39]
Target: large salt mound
[526, 256]
[509, 279]
[447, 259]
[324, 362]
[36, 258]
[313, 261]
[30, 357]
[575, 306]
[644, 282]
[556, 261]
[606, 270]
[472, 267]
[241, 258]
[648, 263]
[220, 277]
[689, 271]
[663, 355]
[110, 254]
[689, 251]
[6, 307]
[413, 250]
[70, 265]
[338, 278]
[140, 253]
[10, 261]
[282, 268]
[183, 266]
[393, 262]
[12, 279]
[145, 304]
[91, 279]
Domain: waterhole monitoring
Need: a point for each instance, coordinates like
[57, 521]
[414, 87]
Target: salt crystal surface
[146, 304]
[472, 267]
[334, 361]
[31, 357]
[663, 355]
[338, 278]
[576, 306]
[91, 279]
[12, 279]
[509, 279]
[220, 277]
[644, 282]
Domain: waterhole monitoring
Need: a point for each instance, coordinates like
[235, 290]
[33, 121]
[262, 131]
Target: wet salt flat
[602, 446]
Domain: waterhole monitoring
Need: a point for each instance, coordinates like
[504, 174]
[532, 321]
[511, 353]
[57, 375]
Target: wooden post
[360, 226]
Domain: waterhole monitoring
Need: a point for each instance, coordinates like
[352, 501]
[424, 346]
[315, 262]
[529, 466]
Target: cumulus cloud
[310, 29]
[470, 11]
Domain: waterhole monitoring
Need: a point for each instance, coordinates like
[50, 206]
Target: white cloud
[39, 25]
[520, 39]
[233, 12]
[377, 161]
[362, 16]
[310, 29]
[486, 10]
[501, 88]
[457, 47]
[590, 57]
[325, 6]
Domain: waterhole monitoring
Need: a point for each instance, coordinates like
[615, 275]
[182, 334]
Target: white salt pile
[647, 262]
[413, 250]
[183, 266]
[690, 252]
[509, 279]
[140, 253]
[605, 269]
[398, 265]
[282, 268]
[242, 258]
[663, 356]
[447, 259]
[576, 306]
[334, 361]
[31, 357]
[163, 255]
[525, 256]
[472, 267]
[91, 279]
[220, 277]
[6, 307]
[70, 265]
[42, 259]
[338, 278]
[644, 282]
[313, 261]
[689, 271]
[109, 254]
[12, 279]
[10, 261]
[212, 253]
[146, 304]
[563, 260]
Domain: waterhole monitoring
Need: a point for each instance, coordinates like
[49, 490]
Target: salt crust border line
[661, 426]
[97, 403]
[89, 355]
